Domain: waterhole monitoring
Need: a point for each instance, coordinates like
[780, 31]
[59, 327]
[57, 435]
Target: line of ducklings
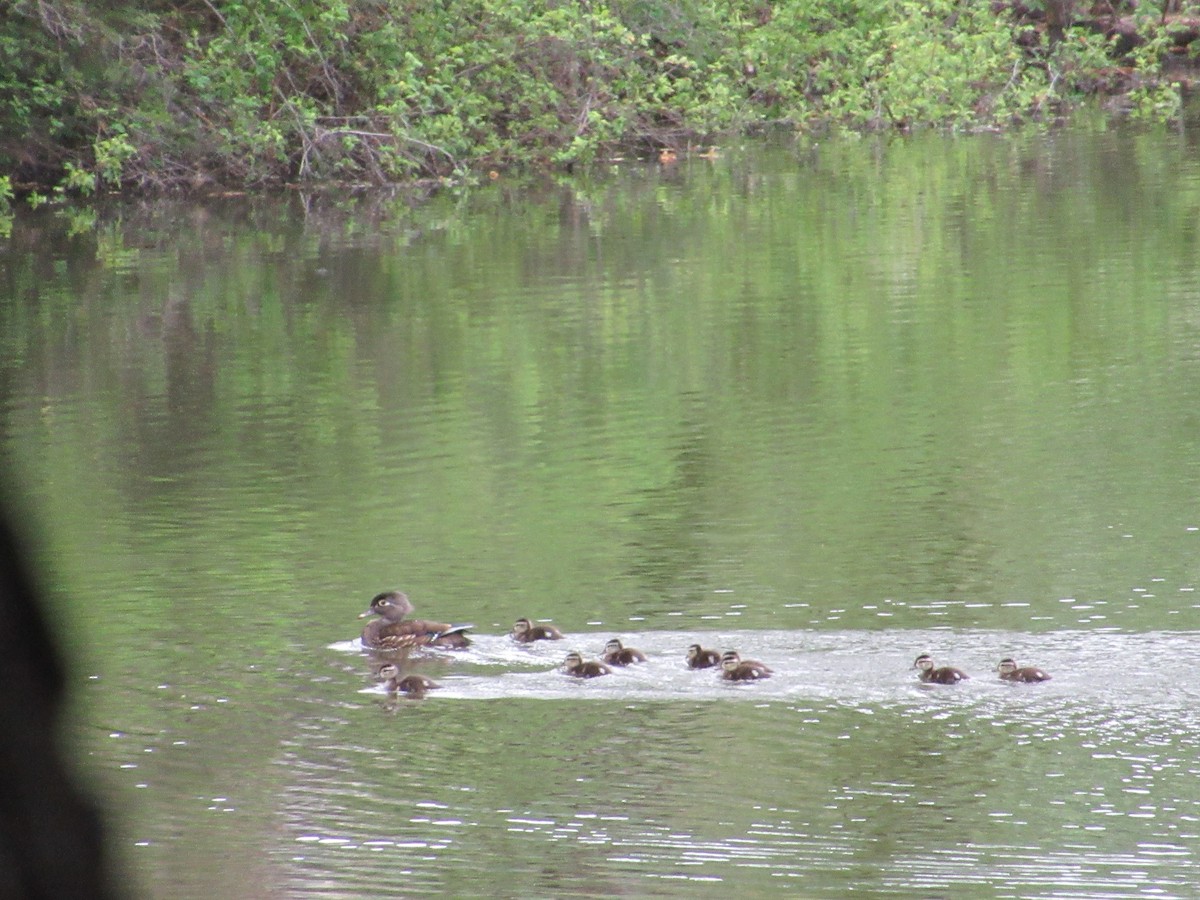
[733, 667]
[929, 673]
[391, 630]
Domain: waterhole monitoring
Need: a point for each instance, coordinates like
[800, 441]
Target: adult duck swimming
[392, 631]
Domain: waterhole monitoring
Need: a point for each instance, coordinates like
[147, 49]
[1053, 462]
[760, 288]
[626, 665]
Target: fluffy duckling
[699, 658]
[525, 632]
[615, 654]
[391, 631]
[931, 675]
[574, 665]
[1010, 671]
[734, 668]
[412, 686]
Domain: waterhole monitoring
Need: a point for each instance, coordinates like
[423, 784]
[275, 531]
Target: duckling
[943, 675]
[412, 686]
[1009, 671]
[734, 668]
[699, 658]
[615, 654]
[391, 631]
[575, 665]
[525, 632]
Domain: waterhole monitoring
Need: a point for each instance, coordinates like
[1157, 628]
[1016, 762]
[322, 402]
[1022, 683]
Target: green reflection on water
[875, 385]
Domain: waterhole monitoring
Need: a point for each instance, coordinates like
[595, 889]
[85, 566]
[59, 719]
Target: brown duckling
[943, 675]
[1010, 671]
[412, 686]
[699, 658]
[525, 632]
[574, 665]
[391, 631]
[734, 668]
[615, 654]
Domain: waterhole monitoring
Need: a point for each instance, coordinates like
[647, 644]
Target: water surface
[832, 404]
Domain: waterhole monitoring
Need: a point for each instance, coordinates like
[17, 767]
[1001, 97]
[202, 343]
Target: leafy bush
[245, 93]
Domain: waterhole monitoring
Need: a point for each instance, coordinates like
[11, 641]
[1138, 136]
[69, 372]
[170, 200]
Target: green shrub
[246, 93]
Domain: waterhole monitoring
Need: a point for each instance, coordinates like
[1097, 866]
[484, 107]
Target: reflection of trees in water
[670, 552]
[935, 536]
[170, 426]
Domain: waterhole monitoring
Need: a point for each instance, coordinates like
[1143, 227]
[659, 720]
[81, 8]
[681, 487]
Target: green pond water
[832, 404]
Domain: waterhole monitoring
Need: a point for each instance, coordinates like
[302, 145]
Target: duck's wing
[413, 633]
[433, 629]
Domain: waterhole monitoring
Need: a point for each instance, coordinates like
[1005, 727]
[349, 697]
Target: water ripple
[1094, 673]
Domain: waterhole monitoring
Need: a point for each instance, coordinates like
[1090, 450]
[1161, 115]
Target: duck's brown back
[381, 634]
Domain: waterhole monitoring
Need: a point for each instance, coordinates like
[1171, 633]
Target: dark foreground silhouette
[51, 843]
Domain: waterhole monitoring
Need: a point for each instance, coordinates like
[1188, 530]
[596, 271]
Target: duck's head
[1007, 666]
[730, 660]
[613, 646]
[392, 605]
[694, 651]
[573, 659]
[521, 626]
[924, 662]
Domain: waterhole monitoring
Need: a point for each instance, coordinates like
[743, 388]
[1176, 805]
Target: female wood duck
[699, 658]
[1010, 671]
[575, 665]
[943, 675]
[412, 685]
[525, 632]
[734, 668]
[391, 631]
[617, 655]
